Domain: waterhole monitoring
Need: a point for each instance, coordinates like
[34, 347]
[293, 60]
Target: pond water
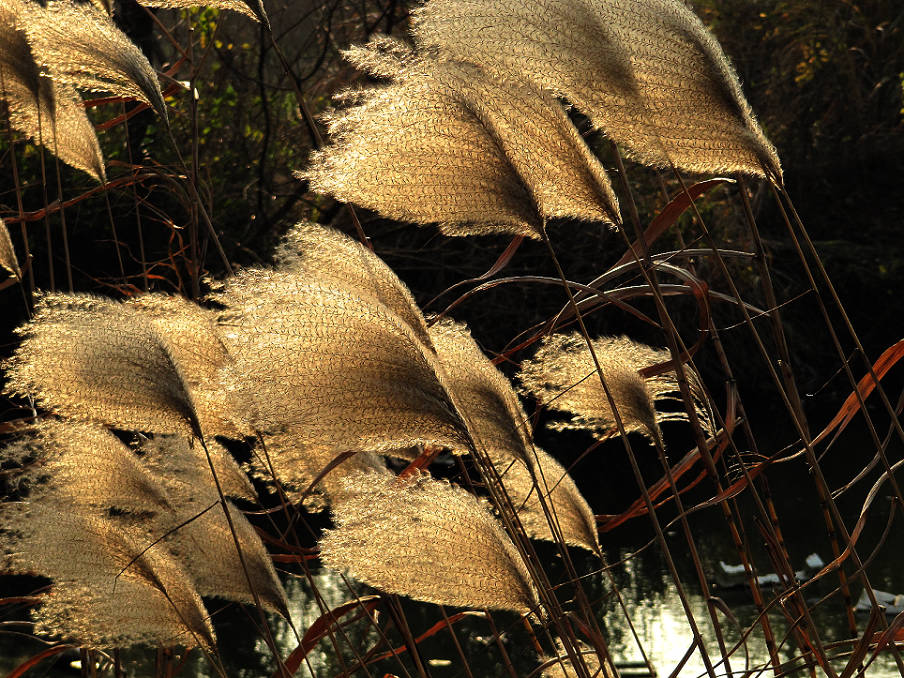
[649, 595]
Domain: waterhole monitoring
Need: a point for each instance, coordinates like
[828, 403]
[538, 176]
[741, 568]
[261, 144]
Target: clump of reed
[323, 365]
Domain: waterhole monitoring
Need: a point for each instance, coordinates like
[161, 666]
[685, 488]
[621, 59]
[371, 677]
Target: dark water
[649, 595]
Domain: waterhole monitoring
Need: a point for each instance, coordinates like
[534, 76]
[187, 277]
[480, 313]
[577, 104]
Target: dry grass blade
[205, 546]
[569, 509]
[451, 144]
[152, 603]
[44, 110]
[192, 336]
[94, 359]
[87, 466]
[562, 377]
[82, 46]
[338, 371]
[427, 540]
[8, 260]
[317, 251]
[230, 5]
[646, 72]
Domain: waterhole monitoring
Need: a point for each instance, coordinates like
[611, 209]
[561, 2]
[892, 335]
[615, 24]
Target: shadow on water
[638, 569]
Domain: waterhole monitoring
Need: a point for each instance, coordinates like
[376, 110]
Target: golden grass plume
[495, 417]
[428, 540]
[230, 5]
[153, 602]
[296, 467]
[318, 251]
[85, 465]
[194, 340]
[562, 376]
[565, 503]
[46, 111]
[183, 464]
[501, 429]
[95, 359]
[340, 371]
[205, 546]
[448, 143]
[82, 47]
[646, 72]
[564, 667]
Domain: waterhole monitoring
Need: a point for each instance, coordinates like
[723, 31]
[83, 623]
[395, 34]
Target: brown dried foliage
[646, 72]
[449, 143]
[428, 540]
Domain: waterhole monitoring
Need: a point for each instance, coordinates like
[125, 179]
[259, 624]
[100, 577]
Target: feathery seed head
[47, 111]
[326, 254]
[562, 376]
[100, 597]
[428, 540]
[95, 359]
[449, 143]
[8, 259]
[645, 72]
[82, 46]
[339, 371]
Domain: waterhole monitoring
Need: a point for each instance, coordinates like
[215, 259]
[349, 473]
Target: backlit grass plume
[297, 467]
[646, 72]
[193, 338]
[8, 260]
[45, 110]
[185, 465]
[205, 546]
[564, 668]
[153, 602]
[87, 466]
[495, 417]
[567, 506]
[562, 377]
[446, 142]
[82, 46]
[339, 371]
[500, 428]
[428, 540]
[329, 255]
[95, 359]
